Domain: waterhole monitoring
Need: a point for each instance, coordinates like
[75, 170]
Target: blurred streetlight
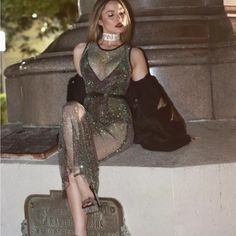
[2, 41]
[2, 50]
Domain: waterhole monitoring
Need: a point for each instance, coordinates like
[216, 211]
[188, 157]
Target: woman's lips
[119, 25]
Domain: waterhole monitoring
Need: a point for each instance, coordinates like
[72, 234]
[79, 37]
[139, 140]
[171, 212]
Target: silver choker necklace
[110, 37]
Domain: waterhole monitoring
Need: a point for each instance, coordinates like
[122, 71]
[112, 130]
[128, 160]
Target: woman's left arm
[138, 63]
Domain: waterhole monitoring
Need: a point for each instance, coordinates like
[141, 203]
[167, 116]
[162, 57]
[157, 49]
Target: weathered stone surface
[33, 142]
[231, 13]
[214, 143]
[136, 4]
[55, 62]
[42, 96]
[196, 34]
[14, 100]
[190, 89]
[220, 30]
[170, 31]
[9, 129]
[224, 90]
[223, 53]
[213, 2]
[181, 55]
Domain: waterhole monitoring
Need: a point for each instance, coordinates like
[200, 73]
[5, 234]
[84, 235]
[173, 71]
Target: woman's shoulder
[137, 55]
[139, 64]
[79, 48]
[136, 52]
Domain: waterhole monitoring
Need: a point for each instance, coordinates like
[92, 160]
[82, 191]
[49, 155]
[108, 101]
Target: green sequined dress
[103, 126]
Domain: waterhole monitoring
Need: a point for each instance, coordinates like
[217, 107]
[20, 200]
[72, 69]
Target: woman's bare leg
[84, 188]
[75, 204]
[78, 189]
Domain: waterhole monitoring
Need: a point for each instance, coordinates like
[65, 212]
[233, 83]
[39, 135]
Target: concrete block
[44, 98]
[214, 143]
[185, 201]
[227, 199]
[162, 3]
[213, 2]
[197, 192]
[172, 31]
[224, 90]
[189, 89]
[14, 100]
[220, 30]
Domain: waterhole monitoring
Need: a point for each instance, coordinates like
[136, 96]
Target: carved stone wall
[190, 47]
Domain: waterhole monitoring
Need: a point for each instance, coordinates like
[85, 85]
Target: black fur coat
[158, 126]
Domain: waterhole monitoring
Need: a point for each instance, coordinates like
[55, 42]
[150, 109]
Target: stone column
[190, 47]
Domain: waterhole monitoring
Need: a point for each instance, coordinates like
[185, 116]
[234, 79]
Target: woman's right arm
[77, 54]
[139, 64]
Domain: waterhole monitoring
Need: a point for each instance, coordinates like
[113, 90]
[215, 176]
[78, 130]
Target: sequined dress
[103, 126]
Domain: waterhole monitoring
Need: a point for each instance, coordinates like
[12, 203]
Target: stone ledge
[19, 142]
[214, 143]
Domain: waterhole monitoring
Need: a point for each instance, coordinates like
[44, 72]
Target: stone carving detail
[50, 216]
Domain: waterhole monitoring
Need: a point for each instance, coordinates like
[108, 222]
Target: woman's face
[113, 18]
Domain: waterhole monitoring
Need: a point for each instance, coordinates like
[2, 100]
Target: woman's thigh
[109, 141]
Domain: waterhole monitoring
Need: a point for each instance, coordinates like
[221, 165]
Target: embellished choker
[110, 37]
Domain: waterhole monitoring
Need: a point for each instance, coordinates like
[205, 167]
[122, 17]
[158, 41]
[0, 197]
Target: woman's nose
[119, 18]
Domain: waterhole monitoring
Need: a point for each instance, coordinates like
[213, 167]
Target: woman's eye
[110, 15]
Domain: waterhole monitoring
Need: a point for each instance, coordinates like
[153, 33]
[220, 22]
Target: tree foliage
[51, 16]
[3, 104]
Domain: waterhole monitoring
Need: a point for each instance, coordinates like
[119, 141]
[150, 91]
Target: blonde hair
[95, 30]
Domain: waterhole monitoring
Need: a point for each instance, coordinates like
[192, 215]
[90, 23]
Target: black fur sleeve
[156, 127]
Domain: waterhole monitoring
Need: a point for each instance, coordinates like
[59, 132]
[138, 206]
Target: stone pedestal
[188, 192]
[190, 47]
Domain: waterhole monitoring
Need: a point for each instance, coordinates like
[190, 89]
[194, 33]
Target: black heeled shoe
[91, 204]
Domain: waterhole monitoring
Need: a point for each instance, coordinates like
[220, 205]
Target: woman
[101, 124]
